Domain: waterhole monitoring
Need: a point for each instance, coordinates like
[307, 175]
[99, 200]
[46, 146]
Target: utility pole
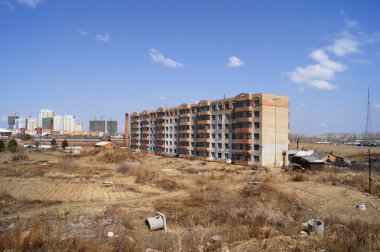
[369, 171]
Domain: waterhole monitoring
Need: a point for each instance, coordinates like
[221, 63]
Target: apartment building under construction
[247, 129]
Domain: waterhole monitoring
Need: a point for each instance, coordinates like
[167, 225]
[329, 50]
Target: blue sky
[93, 58]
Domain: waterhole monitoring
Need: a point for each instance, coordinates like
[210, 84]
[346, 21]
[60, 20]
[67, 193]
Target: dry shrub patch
[354, 236]
[218, 207]
[119, 155]
[145, 175]
[355, 179]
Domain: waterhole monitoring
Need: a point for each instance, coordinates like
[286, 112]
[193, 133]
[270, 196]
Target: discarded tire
[156, 223]
[316, 226]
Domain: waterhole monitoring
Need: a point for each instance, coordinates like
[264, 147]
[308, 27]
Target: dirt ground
[55, 201]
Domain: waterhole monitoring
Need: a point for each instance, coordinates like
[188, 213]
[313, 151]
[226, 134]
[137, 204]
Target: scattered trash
[12, 226]
[156, 223]
[151, 250]
[107, 183]
[199, 173]
[302, 234]
[361, 207]
[316, 226]
[228, 161]
[217, 237]
[110, 234]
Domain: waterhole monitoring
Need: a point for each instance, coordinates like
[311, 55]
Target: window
[256, 136]
[256, 102]
[226, 146]
[219, 136]
[219, 145]
[256, 125]
[213, 145]
[256, 113]
[220, 117]
[256, 147]
[256, 158]
[212, 154]
[225, 155]
[227, 136]
[213, 136]
[219, 126]
[213, 126]
[219, 155]
[213, 117]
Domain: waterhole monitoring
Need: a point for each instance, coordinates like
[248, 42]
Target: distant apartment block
[31, 123]
[248, 129]
[79, 126]
[47, 123]
[44, 113]
[12, 121]
[97, 125]
[111, 127]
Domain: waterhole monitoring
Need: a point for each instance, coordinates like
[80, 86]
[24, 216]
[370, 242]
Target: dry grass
[144, 175]
[356, 179]
[119, 155]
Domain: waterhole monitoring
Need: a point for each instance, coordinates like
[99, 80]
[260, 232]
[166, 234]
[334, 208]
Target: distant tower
[368, 127]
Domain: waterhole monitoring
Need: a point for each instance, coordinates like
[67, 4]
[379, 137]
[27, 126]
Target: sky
[103, 58]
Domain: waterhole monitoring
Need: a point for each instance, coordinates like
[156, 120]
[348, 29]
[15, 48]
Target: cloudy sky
[105, 58]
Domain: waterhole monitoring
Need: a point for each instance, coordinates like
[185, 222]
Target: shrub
[12, 145]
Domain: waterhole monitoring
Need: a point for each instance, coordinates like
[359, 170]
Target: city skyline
[124, 56]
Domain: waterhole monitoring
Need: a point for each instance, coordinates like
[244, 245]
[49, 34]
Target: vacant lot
[55, 201]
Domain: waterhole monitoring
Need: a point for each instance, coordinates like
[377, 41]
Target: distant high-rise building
[68, 123]
[98, 125]
[79, 126]
[47, 123]
[31, 123]
[44, 113]
[19, 123]
[111, 127]
[11, 121]
[58, 123]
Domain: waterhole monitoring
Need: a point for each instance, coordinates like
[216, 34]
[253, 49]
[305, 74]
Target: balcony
[160, 138]
[203, 131]
[160, 124]
[184, 115]
[203, 140]
[185, 123]
[145, 145]
[160, 132]
[160, 153]
[205, 112]
[204, 122]
[135, 138]
[184, 147]
[236, 151]
[243, 130]
[207, 149]
[242, 141]
[189, 131]
[244, 119]
[184, 139]
[249, 108]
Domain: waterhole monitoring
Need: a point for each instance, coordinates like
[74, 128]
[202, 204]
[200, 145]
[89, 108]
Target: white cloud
[30, 3]
[4, 118]
[157, 57]
[83, 33]
[8, 5]
[318, 75]
[103, 38]
[162, 98]
[323, 125]
[351, 23]
[345, 43]
[377, 106]
[234, 61]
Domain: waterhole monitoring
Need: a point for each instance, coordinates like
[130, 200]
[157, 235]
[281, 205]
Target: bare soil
[55, 201]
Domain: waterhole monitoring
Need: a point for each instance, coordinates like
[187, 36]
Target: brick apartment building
[248, 129]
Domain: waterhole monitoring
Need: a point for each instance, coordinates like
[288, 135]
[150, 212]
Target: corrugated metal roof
[304, 153]
[2, 130]
[102, 143]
